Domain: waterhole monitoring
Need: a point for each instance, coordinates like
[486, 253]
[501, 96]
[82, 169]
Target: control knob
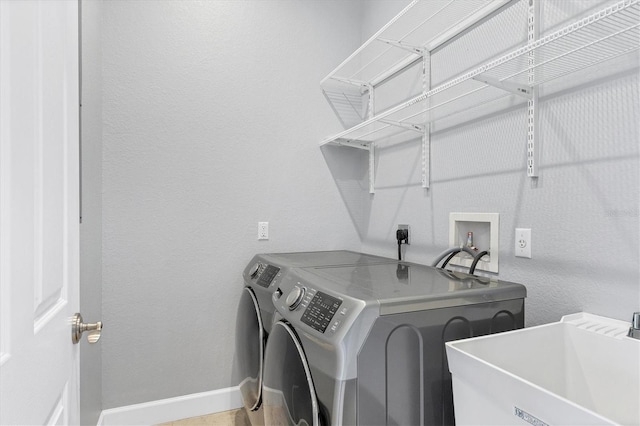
[254, 270]
[295, 297]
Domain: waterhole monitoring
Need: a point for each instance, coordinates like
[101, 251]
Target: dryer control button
[295, 297]
[254, 270]
[276, 295]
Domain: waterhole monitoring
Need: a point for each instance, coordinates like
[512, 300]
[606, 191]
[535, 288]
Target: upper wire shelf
[611, 32]
[421, 26]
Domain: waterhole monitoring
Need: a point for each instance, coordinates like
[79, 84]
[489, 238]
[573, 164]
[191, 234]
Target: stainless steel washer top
[406, 287]
[316, 258]
[265, 271]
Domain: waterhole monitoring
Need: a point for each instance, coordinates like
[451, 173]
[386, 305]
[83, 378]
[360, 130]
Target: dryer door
[289, 395]
[250, 338]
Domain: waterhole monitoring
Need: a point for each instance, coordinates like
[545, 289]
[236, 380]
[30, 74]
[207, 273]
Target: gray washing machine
[262, 277]
[364, 344]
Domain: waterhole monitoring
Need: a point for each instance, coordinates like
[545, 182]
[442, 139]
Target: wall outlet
[523, 242]
[405, 228]
[263, 230]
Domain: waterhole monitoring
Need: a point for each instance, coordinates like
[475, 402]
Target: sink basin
[582, 370]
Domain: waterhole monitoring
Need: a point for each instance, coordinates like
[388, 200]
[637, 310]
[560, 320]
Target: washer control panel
[320, 312]
[313, 309]
[264, 273]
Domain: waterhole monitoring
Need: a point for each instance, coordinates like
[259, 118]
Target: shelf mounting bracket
[418, 50]
[533, 136]
[353, 143]
[366, 146]
[372, 168]
[517, 89]
[357, 83]
[426, 131]
[408, 126]
[372, 146]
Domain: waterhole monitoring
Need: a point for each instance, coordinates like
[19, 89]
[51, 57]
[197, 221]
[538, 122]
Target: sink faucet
[634, 330]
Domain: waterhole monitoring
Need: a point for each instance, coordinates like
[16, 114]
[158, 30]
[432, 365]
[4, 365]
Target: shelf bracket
[517, 89]
[367, 146]
[371, 104]
[426, 131]
[408, 126]
[372, 168]
[533, 136]
[352, 143]
[372, 147]
[418, 50]
[426, 155]
[358, 83]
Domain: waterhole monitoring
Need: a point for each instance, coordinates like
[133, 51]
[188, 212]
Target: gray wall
[584, 208]
[212, 116]
[91, 226]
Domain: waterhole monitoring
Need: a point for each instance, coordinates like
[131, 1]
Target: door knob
[78, 327]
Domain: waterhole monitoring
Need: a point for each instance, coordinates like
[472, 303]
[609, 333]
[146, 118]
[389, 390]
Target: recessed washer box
[486, 236]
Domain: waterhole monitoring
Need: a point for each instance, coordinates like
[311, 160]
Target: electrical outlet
[263, 230]
[523, 242]
[404, 228]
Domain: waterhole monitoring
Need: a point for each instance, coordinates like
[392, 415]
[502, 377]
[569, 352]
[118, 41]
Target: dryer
[262, 277]
[364, 344]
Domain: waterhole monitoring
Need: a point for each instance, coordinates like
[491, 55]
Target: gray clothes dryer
[365, 344]
[254, 317]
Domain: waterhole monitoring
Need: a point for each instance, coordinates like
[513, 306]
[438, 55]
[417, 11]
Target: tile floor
[226, 418]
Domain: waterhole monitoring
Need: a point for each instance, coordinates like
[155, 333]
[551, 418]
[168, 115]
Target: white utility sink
[583, 370]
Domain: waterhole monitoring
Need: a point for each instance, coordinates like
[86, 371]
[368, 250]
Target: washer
[365, 344]
[262, 277]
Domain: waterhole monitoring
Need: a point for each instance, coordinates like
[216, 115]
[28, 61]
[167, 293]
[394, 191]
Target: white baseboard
[167, 410]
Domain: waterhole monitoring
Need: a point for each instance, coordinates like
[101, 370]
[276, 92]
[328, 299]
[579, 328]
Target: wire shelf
[609, 33]
[422, 25]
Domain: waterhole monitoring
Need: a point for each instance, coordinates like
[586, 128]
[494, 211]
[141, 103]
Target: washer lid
[326, 258]
[289, 397]
[407, 287]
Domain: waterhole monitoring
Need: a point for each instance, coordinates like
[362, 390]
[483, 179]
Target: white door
[38, 211]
